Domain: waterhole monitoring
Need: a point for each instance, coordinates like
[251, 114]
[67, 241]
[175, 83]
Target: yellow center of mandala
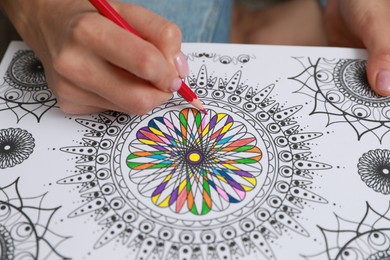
[194, 157]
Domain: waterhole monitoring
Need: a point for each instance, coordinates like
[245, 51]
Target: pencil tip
[196, 103]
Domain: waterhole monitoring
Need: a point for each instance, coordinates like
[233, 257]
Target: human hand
[363, 24]
[92, 64]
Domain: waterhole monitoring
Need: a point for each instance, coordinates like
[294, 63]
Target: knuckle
[59, 63]
[63, 92]
[69, 65]
[66, 106]
[85, 29]
[145, 104]
[148, 64]
[75, 109]
[142, 105]
[63, 63]
[170, 32]
[60, 66]
[384, 54]
[80, 27]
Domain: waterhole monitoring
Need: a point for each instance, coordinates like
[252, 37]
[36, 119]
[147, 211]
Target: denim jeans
[199, 20]
[323, 2]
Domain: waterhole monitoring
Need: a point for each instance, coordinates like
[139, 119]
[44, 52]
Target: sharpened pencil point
[196, 103]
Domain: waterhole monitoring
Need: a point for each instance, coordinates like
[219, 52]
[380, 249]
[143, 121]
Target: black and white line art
[16, 145]
[24, 90]
[374, 170]
[222, 58]
[341, 92]
[367, 237]
[291, 161]
[177, 184]
[25, 227]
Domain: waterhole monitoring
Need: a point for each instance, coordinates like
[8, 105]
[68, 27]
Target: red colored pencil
[109, 12]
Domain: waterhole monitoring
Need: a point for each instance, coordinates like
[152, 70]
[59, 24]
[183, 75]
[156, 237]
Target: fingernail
[383, 82]
[176, 84]
[182, 65]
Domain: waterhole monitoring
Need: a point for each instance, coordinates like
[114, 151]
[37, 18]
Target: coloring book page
[292, 161]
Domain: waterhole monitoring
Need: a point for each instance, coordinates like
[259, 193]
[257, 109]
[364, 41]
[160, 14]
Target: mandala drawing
[203, 161]
[24, 227]
[341, 91]
[24, 90]
[16, 145]
[374, 170]
[368, 238]
[178, 184]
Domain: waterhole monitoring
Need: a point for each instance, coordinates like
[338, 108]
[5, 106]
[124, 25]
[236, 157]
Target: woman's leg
[294, 22]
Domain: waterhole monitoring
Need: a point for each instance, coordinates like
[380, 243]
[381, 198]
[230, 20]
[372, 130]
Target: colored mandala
[177, 184]
[374, 169]
[202, 161]
[25, 91]
[24, 229]
[16, 145]
[341, 92]
[367, 239]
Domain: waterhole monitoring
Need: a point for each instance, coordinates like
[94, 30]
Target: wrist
[20, 13]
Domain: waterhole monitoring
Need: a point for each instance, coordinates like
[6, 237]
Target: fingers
[125, 50]
[160, 32]
[153, 28]
[378, 68]
[370, 20]
[94, 82]
[74, 100]
[92, 64]
[378, 45]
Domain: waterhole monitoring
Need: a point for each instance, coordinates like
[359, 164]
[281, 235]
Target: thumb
[378, 67]
[371, 20]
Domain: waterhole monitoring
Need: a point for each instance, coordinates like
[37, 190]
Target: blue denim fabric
[199, 20]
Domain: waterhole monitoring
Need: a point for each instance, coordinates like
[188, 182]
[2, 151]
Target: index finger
[126, 50]
[162, 33]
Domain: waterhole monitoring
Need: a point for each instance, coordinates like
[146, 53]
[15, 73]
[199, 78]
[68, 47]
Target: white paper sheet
[291, 162]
